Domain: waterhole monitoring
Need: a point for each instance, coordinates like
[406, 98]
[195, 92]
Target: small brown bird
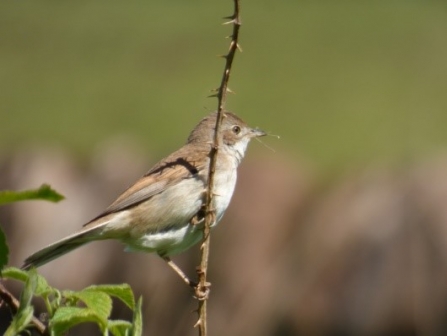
[161, 212]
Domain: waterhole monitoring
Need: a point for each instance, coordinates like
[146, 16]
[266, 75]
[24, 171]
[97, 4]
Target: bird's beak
[254, 133]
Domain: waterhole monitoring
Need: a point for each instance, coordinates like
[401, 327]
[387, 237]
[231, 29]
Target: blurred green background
[342, 82]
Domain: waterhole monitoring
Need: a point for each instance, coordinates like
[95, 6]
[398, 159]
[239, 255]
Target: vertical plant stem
[210, 215]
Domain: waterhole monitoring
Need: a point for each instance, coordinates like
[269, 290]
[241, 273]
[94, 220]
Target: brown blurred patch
[365, 255]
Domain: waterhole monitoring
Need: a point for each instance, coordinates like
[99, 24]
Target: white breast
[224, 184]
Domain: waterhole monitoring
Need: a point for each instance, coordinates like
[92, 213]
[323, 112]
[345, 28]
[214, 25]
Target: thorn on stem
[229, 22]
[198, 323]
[199, 271]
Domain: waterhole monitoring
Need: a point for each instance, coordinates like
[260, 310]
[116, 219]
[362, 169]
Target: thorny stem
[210, 216]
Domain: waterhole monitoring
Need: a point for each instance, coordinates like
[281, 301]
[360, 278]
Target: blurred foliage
[341, 82]
[4, 250]
[43, 193]
[7, 196]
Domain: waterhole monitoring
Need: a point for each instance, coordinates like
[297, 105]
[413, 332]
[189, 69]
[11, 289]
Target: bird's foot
[202, 291]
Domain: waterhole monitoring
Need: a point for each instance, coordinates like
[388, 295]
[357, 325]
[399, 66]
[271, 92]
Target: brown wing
[185, 163]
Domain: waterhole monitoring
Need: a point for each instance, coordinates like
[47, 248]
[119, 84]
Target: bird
[162, 212]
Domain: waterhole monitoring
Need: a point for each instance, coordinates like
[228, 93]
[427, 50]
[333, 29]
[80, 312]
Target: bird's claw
[202, 291]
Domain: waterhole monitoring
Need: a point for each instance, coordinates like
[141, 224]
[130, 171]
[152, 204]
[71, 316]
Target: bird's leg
[179, 272]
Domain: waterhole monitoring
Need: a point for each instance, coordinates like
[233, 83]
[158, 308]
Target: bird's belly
[170, 242]
[173, 232]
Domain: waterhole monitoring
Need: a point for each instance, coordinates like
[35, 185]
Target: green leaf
[69, 299]
[43, 193]
[97, 301]
[42, 287]
[15, 273]
[137, 323]
[120, 327]
[122, 292]
[20, 321]
[28, 291]
[26, 310]
[4, 250]
[67, 317]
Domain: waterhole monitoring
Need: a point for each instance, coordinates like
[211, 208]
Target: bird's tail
[61, 247]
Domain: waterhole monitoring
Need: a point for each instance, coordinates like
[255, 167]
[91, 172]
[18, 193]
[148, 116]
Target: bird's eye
[236, 129]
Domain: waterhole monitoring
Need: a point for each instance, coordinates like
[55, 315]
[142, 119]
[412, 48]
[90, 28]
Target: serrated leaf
[4, 250]
[15, 273]
[42, 287]
[67, 317]
[119, 327]
[97, 301]
[20, 321]
[122, 292]
[137, 323]
[43, 193]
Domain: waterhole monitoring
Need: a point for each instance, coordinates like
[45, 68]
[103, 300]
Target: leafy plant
[64, 309]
